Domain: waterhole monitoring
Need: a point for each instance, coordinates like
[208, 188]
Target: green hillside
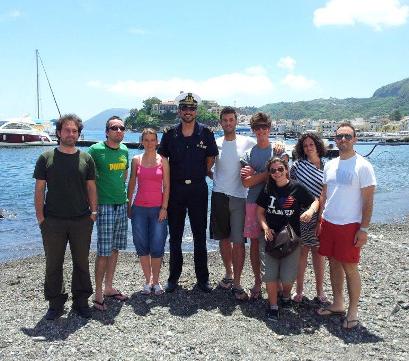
[385, 101]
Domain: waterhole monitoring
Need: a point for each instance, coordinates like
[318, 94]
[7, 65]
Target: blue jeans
[149, 235]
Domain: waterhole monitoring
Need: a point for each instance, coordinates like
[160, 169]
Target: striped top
[309, 175]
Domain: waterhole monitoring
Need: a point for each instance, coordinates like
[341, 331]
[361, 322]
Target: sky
[105, 54]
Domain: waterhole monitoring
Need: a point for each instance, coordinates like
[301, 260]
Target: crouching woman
[279, 204]
[148, 213]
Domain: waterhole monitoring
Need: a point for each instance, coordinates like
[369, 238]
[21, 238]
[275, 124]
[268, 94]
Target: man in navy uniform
[191, 149]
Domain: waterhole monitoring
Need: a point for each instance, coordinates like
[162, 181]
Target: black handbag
[285, 242]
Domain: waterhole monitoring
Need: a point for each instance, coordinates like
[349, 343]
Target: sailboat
[24, 131]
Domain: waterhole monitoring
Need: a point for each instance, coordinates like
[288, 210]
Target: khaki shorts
[273, 269]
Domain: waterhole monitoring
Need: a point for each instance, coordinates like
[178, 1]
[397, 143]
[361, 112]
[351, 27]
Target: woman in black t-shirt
[278, 204]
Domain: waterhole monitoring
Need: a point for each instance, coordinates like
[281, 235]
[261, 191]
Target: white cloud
[136, 31]
[287, 63]
[298, 82]
[253, 81]
[374, 13]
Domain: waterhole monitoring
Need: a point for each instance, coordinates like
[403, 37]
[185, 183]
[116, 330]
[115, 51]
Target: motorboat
[23, 132]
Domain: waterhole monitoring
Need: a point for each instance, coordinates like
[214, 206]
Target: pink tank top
[150, 181]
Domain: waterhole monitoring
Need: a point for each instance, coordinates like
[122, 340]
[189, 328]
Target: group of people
[255, 195]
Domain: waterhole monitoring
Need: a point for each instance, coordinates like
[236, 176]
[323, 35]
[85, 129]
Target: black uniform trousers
[192, 198]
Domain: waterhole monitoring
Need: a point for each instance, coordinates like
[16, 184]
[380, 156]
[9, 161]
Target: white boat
[22, 132]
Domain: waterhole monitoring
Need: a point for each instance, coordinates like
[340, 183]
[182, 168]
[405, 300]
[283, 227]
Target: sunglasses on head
[115, 128]
[187, 107]
[279, 169]
[346, 136]
[260, 126]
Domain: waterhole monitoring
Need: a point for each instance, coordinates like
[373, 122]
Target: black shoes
[54, 313]
[272, 315]
[83, 311]
[171, 287]
[204, 286]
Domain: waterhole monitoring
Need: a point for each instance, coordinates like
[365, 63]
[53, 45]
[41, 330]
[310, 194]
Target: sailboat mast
[38, 87]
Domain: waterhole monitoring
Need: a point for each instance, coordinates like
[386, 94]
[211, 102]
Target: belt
[187, 181]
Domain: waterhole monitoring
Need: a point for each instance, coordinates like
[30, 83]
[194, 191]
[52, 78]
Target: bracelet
[163, 208]
[94, 213]
[364, 229]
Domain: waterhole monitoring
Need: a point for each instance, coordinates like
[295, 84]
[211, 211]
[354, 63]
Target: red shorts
[338, 241]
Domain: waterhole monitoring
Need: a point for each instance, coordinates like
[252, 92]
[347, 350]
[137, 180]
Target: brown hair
[349, 125]
[319, 144]
[148, 131]
[68, 118]
[228, 110]
[270, 181]
[260, 119]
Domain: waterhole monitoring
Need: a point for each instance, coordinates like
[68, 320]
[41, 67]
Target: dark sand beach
[190, 325]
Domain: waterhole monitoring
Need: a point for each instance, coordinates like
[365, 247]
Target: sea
[20, 236]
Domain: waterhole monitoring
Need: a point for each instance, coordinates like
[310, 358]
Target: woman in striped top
[308, 170]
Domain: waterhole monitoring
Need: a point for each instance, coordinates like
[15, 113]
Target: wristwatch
[364, 229]
[94, 213]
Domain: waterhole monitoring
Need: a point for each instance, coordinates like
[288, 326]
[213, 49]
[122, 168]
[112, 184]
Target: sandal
[99, 306]
[118, 295]
[226, 283]
[256, 294]
[146, 290]
[240, 294]
[346, 324]
[327, 312]
[158, 289]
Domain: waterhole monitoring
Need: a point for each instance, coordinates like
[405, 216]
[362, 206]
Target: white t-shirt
[344, 180]
[226, 177]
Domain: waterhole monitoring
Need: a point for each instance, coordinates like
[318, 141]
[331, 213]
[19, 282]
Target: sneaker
[54, 313]
[146, 290]
[204, 286]
[157, 289]
[83, 311]
[272, 314]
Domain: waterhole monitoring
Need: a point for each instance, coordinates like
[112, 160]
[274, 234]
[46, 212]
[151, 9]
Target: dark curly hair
[319, 144]
[68, 118]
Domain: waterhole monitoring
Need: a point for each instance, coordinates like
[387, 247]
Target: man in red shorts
[347, 196]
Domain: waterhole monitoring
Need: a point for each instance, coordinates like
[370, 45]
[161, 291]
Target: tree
[148, 103]
[130, 121]
[205, 117]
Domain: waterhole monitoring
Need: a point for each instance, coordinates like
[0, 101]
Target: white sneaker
[157, 289]
[146, 290]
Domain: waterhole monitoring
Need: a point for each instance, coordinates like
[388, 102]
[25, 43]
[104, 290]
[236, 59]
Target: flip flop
[118, 295]
[327, 312]
[346, 323]
[99, 306]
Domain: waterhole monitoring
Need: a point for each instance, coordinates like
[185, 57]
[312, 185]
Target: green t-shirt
[111, 165]
[66, 177]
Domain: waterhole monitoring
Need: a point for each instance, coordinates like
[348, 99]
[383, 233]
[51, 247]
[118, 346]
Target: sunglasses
[260, 126]
[187, 107]
[279, 169]
[115, 128]
[346, 136]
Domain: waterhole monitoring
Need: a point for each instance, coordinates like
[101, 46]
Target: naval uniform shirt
[187, 155]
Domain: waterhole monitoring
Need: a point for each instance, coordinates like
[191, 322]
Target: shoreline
[191, 325]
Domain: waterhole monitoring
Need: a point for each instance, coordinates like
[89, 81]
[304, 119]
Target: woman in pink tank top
[148, 211]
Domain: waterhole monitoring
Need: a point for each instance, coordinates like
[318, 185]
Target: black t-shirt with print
[291, 198]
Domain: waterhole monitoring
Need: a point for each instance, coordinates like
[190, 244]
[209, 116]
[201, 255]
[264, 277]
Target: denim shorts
[149, 235]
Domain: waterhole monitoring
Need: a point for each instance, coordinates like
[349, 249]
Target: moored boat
[22, 132]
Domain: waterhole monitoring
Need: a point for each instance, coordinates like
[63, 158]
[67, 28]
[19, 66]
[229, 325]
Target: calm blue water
[20, 236]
